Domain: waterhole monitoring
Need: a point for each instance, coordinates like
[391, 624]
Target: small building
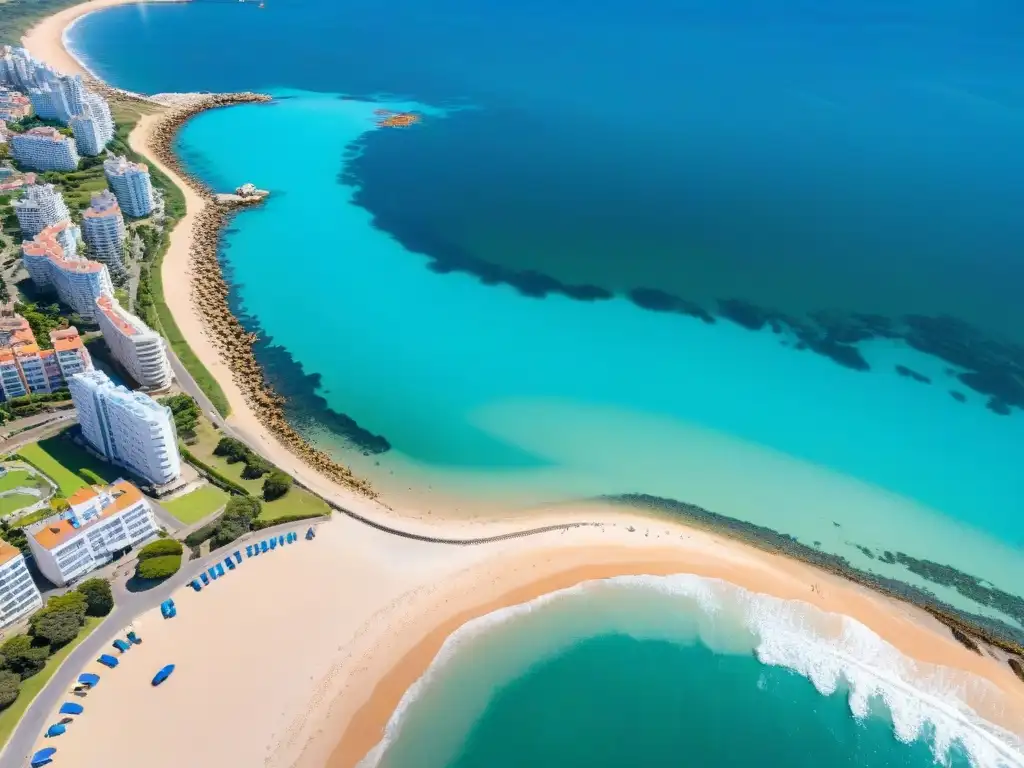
[100, 523]
[19, 595]
[44, 149]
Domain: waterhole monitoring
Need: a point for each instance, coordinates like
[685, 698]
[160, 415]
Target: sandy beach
[299, 658]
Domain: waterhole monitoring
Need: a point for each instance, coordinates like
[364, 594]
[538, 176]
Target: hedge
[212, 474]
[91, 477]
[158, 567]
[259, 525]
[199, 535]
[161, 548]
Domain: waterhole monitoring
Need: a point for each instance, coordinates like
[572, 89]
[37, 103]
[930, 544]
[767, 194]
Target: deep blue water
[475, 293]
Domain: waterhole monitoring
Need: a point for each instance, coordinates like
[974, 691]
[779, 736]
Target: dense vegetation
[18, 16]
[45, 318]
[29, 405]
[277, 483]
[236, 520]
[50, 628]
[159, 559]
[186, 414]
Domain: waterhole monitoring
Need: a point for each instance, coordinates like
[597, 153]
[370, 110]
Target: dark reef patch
[659, 301]
[303, 406]
[999, 633]
[960, 397]
[902, 370]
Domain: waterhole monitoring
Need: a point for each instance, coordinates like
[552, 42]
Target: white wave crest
[925, 701]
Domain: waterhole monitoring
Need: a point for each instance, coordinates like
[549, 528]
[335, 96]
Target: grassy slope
[16, 478]
[29, 688]
[60, 460]
[194, 506]
[12, 502]
[296, 502]
[127, 116]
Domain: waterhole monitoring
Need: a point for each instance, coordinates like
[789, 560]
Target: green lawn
[296, 502]
[29, 688]
[15, 501]
[16, 478]
[194, 506]
[32, 517]
[60, 459]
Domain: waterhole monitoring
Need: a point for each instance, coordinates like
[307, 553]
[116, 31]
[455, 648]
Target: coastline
[400, 631]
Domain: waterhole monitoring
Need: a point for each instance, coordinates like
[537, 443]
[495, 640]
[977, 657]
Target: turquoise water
[680, 670]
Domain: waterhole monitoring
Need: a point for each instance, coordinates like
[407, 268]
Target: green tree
[256, 467]
[55, 626]
[74, 602]
[10, 684]
[228, 530]
[158, 567]
[98, 597]
[248, 507]
[160, 548]
[232, 449]
[23, 658]
[276, 485]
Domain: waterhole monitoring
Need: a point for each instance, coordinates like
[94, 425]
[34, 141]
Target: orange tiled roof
[7, 552]
[106, 305]
[63, 345]
[55, 534]
[45, 244]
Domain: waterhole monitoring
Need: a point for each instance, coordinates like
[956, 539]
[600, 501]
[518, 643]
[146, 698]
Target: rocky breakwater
[210, 293]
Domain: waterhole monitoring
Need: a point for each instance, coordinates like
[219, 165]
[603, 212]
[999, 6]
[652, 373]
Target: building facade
[93, 125]
[44, 149]
[103, 230]
[129, 428]
[52, 263]
[40, 207]
[13, 105]
[132, 185]
[25, 369]
[19, 595]
[134, 345]
[101, 523]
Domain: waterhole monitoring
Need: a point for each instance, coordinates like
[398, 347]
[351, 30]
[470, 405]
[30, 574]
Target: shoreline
[196, 296]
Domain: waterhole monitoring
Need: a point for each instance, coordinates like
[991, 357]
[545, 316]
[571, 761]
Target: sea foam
[925, 701]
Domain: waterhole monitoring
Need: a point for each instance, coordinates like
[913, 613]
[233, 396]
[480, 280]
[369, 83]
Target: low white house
[100, 523]
[19, 595]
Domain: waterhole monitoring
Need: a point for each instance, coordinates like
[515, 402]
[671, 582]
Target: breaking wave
[937, 704]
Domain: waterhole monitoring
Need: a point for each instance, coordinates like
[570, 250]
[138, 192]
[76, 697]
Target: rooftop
[7, 552]
[113, 312]
[45, 132]
[47, 245]
[51, 533]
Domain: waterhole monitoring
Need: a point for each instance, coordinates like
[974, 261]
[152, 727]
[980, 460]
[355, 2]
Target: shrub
[228, 530]
[90, 477]
[234, 450]
[74, 602]
[256, 467]
[276, 485]
[22, 658]
[10, 683]
[158, 567]
[215, 477]
[98, 597]
[199, 535]
[55, 626]
[160, 548]
[243, 506]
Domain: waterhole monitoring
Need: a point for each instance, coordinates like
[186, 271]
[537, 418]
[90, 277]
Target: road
[188, 385]
[56, 422]
[128, 607]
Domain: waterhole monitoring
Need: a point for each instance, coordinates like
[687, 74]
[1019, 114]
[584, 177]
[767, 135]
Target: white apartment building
[44, 149]
[129, 428]
[41, 206]
[48, 102]
[52, 264]
[134, 345]
[19, 595]
[132, 185]
[93, 126]
[103, 230]
[20, 70]
[100, 523]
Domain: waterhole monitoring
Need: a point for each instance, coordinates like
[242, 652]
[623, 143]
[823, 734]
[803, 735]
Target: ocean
[762, 258]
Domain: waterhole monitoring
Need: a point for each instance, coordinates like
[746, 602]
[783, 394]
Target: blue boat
[163, 674]
[280, 540]
[238, 557]
[310, 534]
[273, 543]
[248, 550]
[230, 564]
[87, 678]
[43, 757]
[107, 660]
[263, 546]
[195, 585]
[134, 639]
[213, 573]
[71, 708]
[121, 645]
[55, 730]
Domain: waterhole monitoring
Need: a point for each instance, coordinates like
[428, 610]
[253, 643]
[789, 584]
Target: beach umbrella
[280, 540]
[248, 550]
[55, 730]
[43, 757]
[220, 569]
[205, 579]
[196, 585]
[238, 556]
[107, 660]
[71, 708]
[87, 678]
[163, 674]
[121, 645]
